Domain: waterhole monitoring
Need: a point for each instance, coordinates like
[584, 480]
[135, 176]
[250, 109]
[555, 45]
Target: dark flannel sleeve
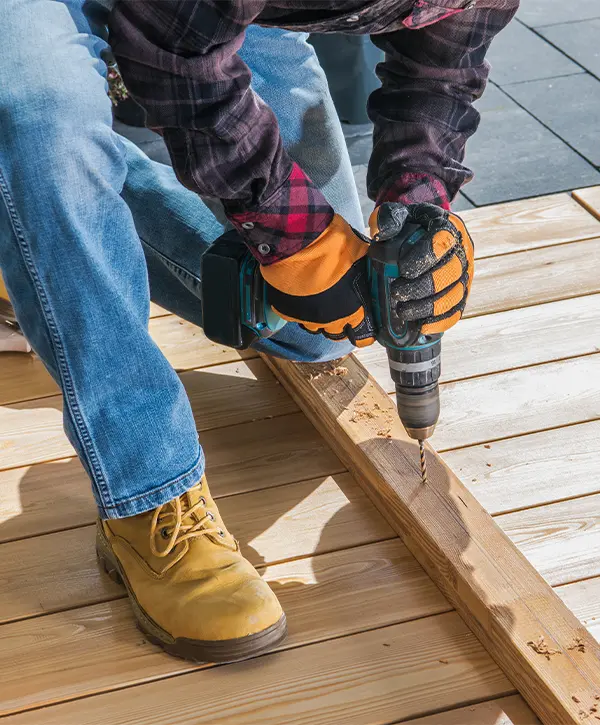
[434, 69]
[179, 61]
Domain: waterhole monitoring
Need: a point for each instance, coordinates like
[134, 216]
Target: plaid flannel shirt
[179, 61]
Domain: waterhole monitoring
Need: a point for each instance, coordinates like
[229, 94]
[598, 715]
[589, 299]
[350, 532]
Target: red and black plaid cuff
[415, 188]
[289, 221]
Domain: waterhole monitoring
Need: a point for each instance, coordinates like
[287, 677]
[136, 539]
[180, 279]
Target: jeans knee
[61, 136]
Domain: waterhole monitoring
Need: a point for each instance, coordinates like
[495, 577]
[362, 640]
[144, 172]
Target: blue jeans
[89, 225]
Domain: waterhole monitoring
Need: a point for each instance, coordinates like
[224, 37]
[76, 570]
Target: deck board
[531, 470]
[373, 677]
[529, 224]
[507, 340]
[590, 199]
[520, 401]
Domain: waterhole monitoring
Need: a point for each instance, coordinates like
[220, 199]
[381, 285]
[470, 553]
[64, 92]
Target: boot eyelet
[210, 516]
[221, 533]
[203, 501]
[164, 532]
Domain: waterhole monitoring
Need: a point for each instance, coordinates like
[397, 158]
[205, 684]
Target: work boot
[191, 590]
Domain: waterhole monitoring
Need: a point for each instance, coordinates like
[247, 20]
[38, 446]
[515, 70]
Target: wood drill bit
[423, 461]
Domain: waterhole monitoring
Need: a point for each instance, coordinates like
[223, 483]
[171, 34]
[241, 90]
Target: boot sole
[198, 651]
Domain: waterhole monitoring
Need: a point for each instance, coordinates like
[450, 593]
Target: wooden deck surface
[371, 639]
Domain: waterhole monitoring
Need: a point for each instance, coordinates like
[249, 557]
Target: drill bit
[423, 461]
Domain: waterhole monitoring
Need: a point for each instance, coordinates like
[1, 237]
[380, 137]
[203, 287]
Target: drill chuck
[416, 372]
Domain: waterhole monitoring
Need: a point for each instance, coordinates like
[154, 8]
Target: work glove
[324, 287]
[436, 272]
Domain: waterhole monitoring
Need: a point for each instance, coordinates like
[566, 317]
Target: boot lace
[178, 521]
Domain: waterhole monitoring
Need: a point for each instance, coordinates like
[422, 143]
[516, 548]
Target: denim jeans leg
[74, 265]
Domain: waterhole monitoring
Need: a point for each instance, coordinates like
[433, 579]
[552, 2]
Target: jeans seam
[162, 487]
[171, 263]
[93, 464]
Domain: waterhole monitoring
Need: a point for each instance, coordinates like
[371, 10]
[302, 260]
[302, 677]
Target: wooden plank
[222, 395]
[534, 277]
[561, 540]
[58, 571]
[98, 648]
[507, 340]
[556, 464]
[590, 199]
[157, 310]
[511, 710]
[527, 224]
[519, 401]
[372, 677]
[583, 598]
[248, 457]
[501, 596]
[24, 377]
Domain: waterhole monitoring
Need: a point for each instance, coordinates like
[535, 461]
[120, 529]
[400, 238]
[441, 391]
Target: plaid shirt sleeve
[423, 114]
[179, 61]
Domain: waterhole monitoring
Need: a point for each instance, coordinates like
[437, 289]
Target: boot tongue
[188, 500]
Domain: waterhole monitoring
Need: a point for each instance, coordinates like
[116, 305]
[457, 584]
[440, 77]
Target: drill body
[236, 311]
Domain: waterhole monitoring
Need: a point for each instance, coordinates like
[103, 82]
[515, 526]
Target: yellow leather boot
[192, 591]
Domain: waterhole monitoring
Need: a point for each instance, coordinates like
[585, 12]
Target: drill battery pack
[234, 305]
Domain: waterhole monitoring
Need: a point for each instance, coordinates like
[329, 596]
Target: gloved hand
[437, 272]
[324, 287]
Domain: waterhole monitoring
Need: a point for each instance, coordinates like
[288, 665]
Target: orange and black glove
[436, 272]
[324, 287]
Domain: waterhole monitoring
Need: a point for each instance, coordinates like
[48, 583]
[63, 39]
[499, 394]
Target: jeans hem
[157, 496]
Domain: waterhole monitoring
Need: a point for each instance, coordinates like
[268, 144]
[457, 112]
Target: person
[181, 63]
[89, 228]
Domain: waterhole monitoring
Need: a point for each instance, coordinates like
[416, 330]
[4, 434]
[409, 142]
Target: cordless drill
[236, 311]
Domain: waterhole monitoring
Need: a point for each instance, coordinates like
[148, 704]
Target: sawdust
[385, 433]
[487, 446]
[444, 662]
[541, 648]
[578, 644]
[339, 371]
[575, 699]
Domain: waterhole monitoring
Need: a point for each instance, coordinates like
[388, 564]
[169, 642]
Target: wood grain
[372, 677]
[501, 596]
[511, 710]
[534, 277]
[222, 395]
[249, 457]
[98, 647]
[561, 540]
[527, 224]
[590, 199]
[508, 340]
[583, 598]
[24, 377]
[58, 571]
[519, 401]
[531, 470]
